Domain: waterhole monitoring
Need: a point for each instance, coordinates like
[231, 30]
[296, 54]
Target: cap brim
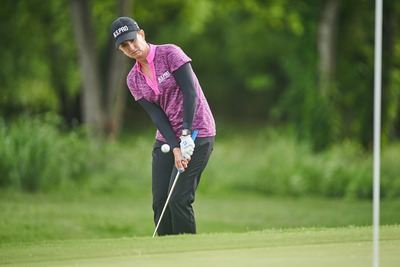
[126, 36]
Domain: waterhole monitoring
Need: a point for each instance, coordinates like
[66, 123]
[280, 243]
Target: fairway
[349, 246]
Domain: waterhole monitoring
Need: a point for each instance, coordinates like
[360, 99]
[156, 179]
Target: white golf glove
[187, 146]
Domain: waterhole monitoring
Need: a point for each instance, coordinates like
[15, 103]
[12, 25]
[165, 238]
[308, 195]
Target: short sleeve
[133, 88]
[177, 58]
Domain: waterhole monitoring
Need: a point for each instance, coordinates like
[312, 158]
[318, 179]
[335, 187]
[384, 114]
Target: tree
[116, 85]
[391, 71]
[304, 64]
[93, 114]
[326, 46]
[101, 112]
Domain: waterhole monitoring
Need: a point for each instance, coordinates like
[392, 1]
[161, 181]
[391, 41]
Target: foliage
[274, 163]
[35, 155]
[40, 70]
[255, 60]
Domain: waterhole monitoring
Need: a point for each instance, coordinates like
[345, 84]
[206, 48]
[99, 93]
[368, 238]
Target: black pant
[179, 215]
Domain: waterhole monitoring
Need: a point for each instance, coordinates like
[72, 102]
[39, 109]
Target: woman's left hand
[180, 162]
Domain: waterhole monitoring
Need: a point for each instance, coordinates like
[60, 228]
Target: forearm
[161, 121]
[183, 77]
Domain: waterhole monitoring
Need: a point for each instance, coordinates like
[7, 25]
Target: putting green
[342, 247]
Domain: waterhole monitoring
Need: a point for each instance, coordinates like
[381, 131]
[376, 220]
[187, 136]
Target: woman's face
[137, 48]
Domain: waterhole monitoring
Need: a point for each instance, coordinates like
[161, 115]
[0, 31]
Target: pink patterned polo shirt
[165, 92]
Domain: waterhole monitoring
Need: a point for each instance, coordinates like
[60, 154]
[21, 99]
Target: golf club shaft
[194, 135]
[167, 201]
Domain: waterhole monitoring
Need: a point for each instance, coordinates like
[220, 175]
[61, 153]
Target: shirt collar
[152, 52]
[149, 58]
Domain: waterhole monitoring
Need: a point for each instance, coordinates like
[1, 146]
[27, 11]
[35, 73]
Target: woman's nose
[131, 45]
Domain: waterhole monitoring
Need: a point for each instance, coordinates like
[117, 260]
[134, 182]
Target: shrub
[274, 163]
[37, 156]
[390, 171]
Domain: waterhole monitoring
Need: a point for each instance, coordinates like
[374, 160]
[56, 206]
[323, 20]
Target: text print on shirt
[163, 77]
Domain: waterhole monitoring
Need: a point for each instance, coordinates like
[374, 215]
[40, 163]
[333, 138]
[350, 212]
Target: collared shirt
[163, 90]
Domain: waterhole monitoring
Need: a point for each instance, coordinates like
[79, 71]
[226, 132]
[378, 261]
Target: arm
[183, 76]
[161, 121]
[159, 118]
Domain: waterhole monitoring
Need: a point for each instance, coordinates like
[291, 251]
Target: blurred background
[290, 84]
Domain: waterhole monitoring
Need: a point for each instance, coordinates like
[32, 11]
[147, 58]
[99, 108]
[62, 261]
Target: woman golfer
[163, 83]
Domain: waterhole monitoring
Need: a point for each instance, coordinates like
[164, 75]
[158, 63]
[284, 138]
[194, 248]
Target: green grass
[277, 204]
[350, 246]
[44, 217]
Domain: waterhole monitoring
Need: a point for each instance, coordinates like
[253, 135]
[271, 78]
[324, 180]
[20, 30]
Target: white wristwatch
[185, 132]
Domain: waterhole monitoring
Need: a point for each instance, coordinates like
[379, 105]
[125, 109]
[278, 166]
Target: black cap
[123, 29]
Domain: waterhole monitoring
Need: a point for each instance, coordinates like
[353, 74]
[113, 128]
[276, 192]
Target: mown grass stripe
[147, 247]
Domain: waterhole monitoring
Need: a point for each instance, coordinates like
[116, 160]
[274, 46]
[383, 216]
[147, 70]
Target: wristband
[185, 132]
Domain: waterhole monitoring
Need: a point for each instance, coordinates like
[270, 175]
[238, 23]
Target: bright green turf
[35, 218]
[349, 246]
[99, 230]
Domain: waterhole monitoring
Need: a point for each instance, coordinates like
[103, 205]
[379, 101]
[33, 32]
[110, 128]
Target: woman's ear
[141, 32]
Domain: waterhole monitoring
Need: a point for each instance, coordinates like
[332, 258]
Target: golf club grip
[194, 135]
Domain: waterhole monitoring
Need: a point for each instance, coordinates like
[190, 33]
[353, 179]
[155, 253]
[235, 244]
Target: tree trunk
[91, 90]
[326, 46]
[116, 87]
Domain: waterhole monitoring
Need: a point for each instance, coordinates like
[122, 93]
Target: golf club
[194, 134]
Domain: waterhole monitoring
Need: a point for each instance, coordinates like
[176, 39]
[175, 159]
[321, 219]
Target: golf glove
[187, 146]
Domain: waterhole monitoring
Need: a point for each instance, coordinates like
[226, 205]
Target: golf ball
[165, 148]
